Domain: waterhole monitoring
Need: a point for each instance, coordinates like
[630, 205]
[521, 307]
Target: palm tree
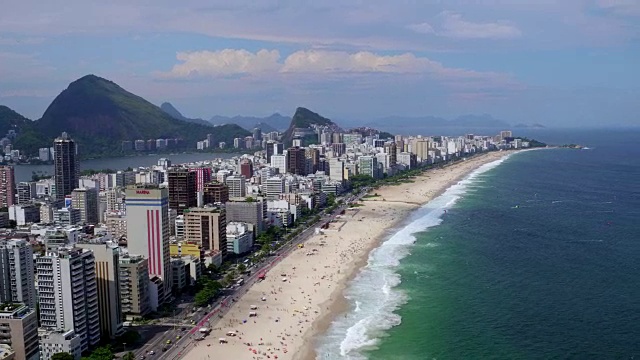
[129, 356]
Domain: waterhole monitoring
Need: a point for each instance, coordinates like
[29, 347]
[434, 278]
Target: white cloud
[314, 61]
[318, 66]
[454, 26]
[225, 62]
[422, 28]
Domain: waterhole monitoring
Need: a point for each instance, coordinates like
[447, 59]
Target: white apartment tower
[148, 229]
[17, 280]
[68, 293]
[274, 187]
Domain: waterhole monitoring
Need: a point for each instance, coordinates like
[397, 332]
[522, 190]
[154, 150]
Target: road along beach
[280, 317]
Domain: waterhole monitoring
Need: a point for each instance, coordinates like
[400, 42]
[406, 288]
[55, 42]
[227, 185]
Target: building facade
[182, 189]
[19, 330]
[215, 192]
[134, 285]
[107, 268]
[66, 169]
[86, 201]
[7, 186]
[207, 227]
[68, 293]
[17, 277]
[148, 229]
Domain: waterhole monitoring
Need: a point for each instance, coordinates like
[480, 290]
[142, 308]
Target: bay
[24, 172]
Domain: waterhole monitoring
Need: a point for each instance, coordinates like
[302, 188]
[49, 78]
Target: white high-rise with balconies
[68, 293]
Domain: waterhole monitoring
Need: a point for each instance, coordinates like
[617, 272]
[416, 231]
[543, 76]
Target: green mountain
[174, 113]
[28, 138]
[99, 115]
[304, 120]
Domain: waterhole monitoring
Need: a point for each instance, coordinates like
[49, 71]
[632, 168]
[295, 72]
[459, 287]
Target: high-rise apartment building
[296, 161]
[274, 187]
[65, 165]
[7, 186]
[107, 268]
[279, 162]
[203, 176]
[336, 170]
[134, 285]
[251, 212]
[86, 201]
[391, 149]
[246, 168]
[206, 227]
[68, 293]
[182, 189]
[17, 278]
[313, 157]
[215, 192]
[237, 187]
[19, 330]
[368, 165]
[148, 229]
[26, 191]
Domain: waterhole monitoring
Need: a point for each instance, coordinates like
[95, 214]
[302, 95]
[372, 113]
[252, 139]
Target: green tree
[62, 356]
[242, 268]
[129, 356]
[101, 353]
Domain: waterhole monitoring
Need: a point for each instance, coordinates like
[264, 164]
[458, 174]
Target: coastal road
[182, 346]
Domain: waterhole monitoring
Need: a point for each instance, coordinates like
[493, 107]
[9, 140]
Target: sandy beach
[302, 294]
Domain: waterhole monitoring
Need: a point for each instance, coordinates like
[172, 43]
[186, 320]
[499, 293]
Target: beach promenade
[281, 316]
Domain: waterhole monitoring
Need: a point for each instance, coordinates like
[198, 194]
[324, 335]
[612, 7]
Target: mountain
[265, 128]
[28, 138]
[303, 123]
[532, 126]
[477, 121]
[99, 115]
[174, 113]
[275, 121]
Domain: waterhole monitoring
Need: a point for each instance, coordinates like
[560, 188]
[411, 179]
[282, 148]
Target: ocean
[537, 256]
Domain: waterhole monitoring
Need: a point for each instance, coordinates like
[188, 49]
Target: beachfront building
[134, 285]
[207, 228]
[251, 212]
[148, 229]
[19, 330]
[239, 238]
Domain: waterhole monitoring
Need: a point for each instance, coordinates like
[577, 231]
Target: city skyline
[562, 64]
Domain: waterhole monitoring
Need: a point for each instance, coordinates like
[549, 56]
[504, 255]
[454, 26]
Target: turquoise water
[536, 258]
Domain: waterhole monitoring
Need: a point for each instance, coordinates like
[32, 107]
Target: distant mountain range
[99, 115]
[274, 122]
[468, 121]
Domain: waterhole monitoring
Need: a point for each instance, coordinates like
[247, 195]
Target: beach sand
[303, 292]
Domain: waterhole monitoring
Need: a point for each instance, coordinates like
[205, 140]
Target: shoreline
[328, 262]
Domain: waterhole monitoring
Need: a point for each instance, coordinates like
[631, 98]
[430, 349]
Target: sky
[555, 62]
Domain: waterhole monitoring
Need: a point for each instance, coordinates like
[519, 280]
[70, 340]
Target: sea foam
[372, 294]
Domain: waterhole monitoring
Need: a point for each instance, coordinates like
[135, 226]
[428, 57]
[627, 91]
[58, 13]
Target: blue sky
[556, 62]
